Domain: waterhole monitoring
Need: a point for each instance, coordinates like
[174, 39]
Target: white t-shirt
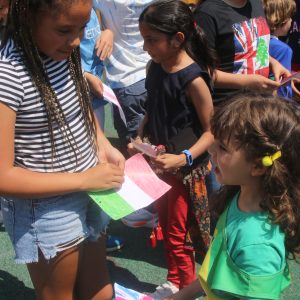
[127, 64]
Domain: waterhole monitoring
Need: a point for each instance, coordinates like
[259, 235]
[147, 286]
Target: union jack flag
[251, 42]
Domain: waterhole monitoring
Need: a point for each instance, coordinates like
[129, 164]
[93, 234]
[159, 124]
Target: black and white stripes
[32, 137]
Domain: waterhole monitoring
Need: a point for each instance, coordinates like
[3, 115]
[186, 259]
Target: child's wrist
[182, 161]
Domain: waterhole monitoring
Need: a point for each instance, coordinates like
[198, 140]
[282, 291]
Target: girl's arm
[105, 44]
[19, 182]
[243, 81]
[95, 84]
[278, 69]
[140, 134]
[200, 96]
[108, 153]
[190, 292]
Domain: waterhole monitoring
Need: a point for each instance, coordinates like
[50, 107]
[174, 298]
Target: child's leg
[162, 211]
[55, 278]
[93, 278]
[181, 261]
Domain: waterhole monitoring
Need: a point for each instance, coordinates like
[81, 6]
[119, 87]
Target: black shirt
[172, 119]
[240, 37]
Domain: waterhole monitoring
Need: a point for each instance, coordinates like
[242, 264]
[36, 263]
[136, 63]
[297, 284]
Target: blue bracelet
[189, 157]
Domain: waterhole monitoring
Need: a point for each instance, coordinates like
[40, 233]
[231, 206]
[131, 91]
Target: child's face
[57, 33]
[157, 44]
[284, 28]
[232, 168]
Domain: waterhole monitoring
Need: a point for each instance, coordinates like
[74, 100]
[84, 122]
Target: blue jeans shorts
[132, 100]
[51, 224]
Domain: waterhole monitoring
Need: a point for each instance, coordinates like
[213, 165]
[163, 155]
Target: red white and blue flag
[251, 42]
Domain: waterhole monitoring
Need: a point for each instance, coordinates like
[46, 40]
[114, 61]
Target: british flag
[251, 41]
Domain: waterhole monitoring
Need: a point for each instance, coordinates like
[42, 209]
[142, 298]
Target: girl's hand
[95, 84]
[130, 148]
[244, 81]
[170, 162]
[110, 154]
[259, 82]
[104, 44]
[102, 177]
[278, 69]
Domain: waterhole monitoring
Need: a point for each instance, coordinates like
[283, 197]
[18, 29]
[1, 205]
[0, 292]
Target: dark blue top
[294, 38]
[282, 53]
[172, 119]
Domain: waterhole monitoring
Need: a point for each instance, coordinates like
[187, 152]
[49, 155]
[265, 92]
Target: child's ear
[178, 39]
[257, 168]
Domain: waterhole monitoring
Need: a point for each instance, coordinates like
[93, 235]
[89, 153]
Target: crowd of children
[182, 74]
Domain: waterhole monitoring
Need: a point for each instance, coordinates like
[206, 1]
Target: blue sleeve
[282, 53]
[89, 60]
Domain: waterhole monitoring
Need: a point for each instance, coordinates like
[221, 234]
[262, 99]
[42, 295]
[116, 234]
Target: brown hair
[278, 11]
[19, 29]
[262, 124]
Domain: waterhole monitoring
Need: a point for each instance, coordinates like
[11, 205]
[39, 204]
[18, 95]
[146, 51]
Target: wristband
[188, 156]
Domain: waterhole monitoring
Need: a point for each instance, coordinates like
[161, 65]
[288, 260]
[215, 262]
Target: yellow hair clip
[268, 160]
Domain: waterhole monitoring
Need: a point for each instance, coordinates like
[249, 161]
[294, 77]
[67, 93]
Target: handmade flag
[140, 188]
[109, 95]
[122, 293]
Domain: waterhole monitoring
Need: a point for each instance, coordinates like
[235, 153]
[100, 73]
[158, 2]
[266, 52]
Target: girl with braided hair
[256, 152]
[52, 151]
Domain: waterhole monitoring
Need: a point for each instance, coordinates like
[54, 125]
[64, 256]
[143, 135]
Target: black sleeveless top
[172, 119]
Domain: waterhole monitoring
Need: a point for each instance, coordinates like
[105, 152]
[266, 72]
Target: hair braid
[19, 29]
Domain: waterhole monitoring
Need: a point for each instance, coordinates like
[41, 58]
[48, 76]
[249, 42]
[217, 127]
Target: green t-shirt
[254, 243]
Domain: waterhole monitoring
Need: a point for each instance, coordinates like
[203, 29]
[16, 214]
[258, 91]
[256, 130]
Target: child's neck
[236, 3]
[177, 62]
[250, 198]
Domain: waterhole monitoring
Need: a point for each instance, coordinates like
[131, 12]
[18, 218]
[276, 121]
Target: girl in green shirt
[256, 152]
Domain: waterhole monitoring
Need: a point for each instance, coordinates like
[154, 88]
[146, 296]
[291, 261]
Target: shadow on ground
[11, 288]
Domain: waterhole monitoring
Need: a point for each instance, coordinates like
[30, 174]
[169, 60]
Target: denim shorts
[51, 224]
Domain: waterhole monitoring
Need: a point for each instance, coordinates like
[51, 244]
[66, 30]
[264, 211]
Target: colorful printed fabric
[198, 234]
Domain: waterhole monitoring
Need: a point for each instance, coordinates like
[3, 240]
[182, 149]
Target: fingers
[104, 49]
[112, 176]
[121, 165]
[271, 83]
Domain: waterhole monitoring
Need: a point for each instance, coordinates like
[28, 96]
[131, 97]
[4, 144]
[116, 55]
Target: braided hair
[19, 29]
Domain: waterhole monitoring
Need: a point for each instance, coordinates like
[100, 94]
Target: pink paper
[139, 171]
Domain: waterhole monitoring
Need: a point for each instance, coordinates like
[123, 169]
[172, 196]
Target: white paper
[110, 96]
[145, 148]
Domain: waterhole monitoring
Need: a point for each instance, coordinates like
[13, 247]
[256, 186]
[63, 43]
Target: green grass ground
[136, 266]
